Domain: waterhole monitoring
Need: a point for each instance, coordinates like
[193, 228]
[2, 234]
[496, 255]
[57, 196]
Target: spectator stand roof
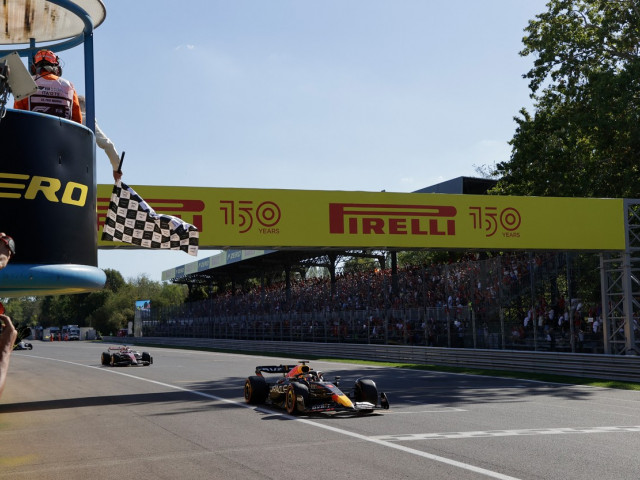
[239, 265]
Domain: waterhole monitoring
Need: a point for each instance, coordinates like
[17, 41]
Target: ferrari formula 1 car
[301, 389]
[123, 356]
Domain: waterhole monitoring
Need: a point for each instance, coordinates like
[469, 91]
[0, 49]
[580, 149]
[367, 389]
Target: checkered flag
[131, 220]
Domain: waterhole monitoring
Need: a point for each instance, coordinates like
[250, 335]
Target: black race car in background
[22, 345]
[301, 389]
[123, 356]
[23, 332]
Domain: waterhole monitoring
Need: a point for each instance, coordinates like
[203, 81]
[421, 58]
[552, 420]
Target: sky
[316, 95]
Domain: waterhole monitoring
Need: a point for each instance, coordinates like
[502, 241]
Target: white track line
[505, 433]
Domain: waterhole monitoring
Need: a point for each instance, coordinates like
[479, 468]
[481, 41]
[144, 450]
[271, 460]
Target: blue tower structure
[47, 164]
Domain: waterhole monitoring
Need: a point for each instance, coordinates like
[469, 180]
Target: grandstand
[476, 303]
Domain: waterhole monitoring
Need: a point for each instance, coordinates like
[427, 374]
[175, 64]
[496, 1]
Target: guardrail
[606, 367]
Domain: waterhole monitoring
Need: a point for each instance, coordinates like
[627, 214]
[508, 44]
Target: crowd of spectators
[463, 283]
[420, 304]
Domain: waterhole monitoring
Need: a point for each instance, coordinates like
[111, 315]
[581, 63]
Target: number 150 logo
[489, 219]
[243, 212]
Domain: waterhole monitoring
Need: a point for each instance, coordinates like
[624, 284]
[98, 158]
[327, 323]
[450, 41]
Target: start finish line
[266, 218]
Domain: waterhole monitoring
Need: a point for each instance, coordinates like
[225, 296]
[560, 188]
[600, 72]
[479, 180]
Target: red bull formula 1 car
[301, 389]
[123, 356]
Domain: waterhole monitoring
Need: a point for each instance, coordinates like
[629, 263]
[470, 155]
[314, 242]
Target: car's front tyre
[291, 398]
[366, 391]
[147, 359]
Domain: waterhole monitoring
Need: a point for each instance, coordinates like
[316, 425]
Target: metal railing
[606, 367]
[456, 327]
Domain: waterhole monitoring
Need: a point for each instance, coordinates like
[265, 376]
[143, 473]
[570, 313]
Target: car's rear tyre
[147, 359]
[291, 401]
[114, 360]
[366, 391]
[256, 390]
[105, 358]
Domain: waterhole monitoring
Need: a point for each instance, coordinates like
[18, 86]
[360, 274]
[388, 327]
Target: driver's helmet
[46, 56]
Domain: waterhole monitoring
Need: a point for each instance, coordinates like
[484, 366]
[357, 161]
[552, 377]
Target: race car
[123, 356]
[302, 389]
[22, 345]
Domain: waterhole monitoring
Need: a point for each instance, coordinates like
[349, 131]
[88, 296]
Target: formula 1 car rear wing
[284, 369]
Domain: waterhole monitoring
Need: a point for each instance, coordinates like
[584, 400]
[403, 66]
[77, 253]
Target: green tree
[116, 313]
[119, 304]
[428, 257]
[144, 288]
[81, 309]
[15, 310]
[119, 309]
[23, 310]
[197, 293]
[114, 280]
[170, 294]
[364, 262]
[98, 303]
[57, 310]
[584, 137]
[92, 303]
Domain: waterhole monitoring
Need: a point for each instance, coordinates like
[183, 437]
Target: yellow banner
[271, 219]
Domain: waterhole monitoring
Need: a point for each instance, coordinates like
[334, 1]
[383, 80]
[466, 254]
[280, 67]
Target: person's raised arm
[7, 341]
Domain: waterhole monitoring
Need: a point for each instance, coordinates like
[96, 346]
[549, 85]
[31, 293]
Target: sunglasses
[8, 241]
